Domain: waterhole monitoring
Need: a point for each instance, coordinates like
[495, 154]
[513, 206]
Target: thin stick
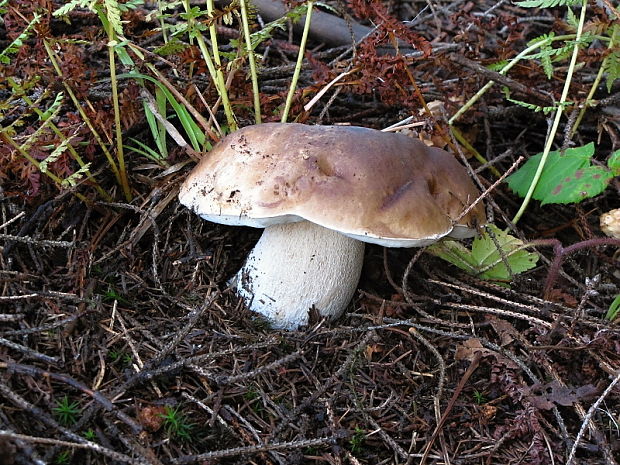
[85, 445]
[589, 415]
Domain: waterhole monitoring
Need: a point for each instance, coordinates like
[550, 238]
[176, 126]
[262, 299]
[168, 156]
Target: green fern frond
[534, 108]
[328, 8]
[54, 107]
[41, 130]
[541, 38]
[547, 3]
[72, 5]
[267, 32]
[571, 18]
[531, 106]
[55, 155]
[547, 54]
[76, 177]
[172, 47]
[18, 42]
[612, 68]
[113, 13]
[130, 5]
[497, 66]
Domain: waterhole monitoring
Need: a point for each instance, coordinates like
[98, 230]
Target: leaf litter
[124, 309]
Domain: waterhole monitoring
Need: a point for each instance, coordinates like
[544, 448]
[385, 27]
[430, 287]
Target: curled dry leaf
[151, 417]
[467, 350]
[546, 396]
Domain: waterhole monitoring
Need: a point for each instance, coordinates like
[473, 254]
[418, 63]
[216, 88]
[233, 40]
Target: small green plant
[614, 309]
[90, 435]
[567, 177]
[542, 49]
[251, 394]
[176, 424]
[67, 412]
[485, 259]
[479, 397]
[119, 355]
[356, 443]
[62, 458]
[112, 294]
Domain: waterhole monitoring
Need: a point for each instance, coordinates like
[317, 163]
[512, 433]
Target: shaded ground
[119, 332]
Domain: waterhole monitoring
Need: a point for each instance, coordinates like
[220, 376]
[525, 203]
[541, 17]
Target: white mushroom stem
[297, 266]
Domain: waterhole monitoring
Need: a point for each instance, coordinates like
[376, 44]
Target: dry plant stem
[459, 136]
[300, 59]
[589, 415]
[457, 392]
[38, 329]
[131, 443]
[321, 390]
[251, 59]
[558, 116]
[559, 252]
[11, 317]
[106, 403]
[77, 445]
[586, 417]
[43, 417]
[246, 450]
[224, 380]
[308, 106]
[28, 352]
[398, 450]
[500, 78]
[489, 190]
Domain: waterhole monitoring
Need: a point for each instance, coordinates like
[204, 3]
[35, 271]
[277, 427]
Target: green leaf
[567, 178]
[113, 14]
[614, 163]
[612, 68]
[173, 46]
[72, 5]
[614, 309]
[547, 3]
[571, 19]
[484, 259]
[497, 66]
[76, 177]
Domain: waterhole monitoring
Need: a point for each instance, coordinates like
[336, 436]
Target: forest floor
[120, 340]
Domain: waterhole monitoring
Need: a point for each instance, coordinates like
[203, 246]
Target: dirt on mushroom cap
[359, 181]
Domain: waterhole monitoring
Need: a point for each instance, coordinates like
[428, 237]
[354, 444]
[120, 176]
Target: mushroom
[610, 223]
[321, 192]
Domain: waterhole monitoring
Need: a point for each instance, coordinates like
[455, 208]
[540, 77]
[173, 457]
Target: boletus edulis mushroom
[321, 192]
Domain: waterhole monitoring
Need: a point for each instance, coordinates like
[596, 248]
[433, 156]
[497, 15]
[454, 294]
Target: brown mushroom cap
[374, 186]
